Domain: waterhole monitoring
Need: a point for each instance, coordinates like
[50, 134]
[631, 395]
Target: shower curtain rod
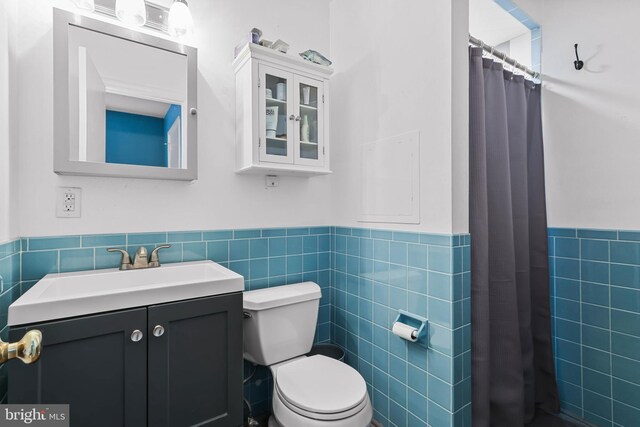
[494, 52]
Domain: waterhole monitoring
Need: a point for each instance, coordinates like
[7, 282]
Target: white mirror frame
[61, 162]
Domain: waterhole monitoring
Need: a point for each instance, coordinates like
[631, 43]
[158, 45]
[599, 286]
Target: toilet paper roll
[405, 331]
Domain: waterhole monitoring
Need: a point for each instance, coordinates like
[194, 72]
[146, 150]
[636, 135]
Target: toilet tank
[280, 322]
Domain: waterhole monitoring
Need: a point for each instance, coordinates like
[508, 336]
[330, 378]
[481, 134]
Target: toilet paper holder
[418, 322]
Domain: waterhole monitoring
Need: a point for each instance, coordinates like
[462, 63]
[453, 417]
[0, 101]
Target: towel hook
[577, 63]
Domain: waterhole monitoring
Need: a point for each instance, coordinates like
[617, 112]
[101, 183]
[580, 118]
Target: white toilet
[315, 391]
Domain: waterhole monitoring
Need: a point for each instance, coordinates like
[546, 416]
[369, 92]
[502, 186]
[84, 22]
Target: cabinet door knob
[136, 335]
[27, 349]
[292, 117]
[158, 330]
[298, 118]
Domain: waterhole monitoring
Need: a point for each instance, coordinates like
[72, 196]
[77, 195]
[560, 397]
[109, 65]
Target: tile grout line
[581, 323]
[610, 334]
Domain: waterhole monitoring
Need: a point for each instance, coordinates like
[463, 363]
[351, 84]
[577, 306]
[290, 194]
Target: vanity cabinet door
[90, 363]
[195, 362]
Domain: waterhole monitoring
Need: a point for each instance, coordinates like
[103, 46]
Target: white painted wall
[489, 22]
[591, 117]
[8, 152]
[459, 115]
[399, 67]
[5, 172]
[520, 48]
[219, 198]
[387, 81]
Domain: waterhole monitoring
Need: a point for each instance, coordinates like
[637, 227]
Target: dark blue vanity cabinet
[175, 364]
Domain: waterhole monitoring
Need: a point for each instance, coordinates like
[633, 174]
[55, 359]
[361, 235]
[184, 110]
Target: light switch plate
[68, 202]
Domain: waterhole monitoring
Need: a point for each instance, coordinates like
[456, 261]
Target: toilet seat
[285, 417]
[321, 416]
[321, 388]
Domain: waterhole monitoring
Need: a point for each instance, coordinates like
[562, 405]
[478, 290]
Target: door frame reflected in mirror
[62, 163]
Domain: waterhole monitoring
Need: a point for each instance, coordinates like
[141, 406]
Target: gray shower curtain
[512, 354]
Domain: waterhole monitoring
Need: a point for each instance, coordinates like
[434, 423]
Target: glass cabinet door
[276, 115]
[309, 120]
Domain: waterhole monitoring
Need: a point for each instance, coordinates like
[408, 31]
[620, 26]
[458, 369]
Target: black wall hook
[577, 63]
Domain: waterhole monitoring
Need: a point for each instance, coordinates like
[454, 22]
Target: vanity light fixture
[85, 4]
[180, 19]
[131, 12]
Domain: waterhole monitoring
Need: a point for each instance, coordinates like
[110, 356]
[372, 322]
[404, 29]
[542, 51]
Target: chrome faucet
[140, 260]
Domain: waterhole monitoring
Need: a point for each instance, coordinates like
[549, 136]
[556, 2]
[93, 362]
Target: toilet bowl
[319, 391]
[314, 391]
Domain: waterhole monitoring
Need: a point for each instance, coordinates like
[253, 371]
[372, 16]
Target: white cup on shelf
[306, 95]
[281, 91]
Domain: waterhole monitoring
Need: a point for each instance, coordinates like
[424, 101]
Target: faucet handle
[154, 261]
[125, 263]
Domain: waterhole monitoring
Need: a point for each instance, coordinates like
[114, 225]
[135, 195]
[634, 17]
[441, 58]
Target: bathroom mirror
[124, 102]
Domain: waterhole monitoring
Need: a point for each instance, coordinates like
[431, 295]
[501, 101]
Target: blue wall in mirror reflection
[136, 139]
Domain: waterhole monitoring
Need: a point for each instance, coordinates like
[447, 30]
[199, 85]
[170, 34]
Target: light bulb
[180, 19]
[131, 12]
[85, 4]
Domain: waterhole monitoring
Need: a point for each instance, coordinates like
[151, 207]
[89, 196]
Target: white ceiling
[492, 24]
[133, 105]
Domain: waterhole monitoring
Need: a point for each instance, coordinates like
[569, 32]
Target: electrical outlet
[272, 181]
[68, 202]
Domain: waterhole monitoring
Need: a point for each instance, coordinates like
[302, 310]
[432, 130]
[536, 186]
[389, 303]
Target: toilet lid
[321, 385]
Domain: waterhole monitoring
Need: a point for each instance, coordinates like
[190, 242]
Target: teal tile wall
[366, 275]
[376, 273]
[595, 287]
[265, 257]
[9, 292]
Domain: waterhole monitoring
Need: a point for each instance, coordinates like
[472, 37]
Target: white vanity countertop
[63, 295]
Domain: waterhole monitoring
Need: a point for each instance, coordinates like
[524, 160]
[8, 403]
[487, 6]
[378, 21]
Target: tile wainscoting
[596, 307]
[378, 272]
[366, 275]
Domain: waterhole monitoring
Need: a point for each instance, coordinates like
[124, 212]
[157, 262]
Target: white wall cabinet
[282, 111]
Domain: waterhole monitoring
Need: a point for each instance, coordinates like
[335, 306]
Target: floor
[544, 419]
[262, 421]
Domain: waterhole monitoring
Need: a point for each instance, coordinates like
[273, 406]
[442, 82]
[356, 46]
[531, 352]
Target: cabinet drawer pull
[136, 335]
[158, 331]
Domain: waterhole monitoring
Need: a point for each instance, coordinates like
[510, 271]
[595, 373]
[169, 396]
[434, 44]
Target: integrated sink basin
[63, 295]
